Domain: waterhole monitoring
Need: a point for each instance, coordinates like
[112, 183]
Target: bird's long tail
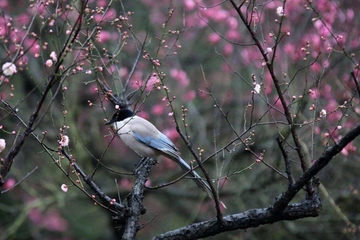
[197, 179]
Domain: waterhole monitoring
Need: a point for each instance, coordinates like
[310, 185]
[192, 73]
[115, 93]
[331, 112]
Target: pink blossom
[2, 144]
[280, 11]
[313, 93]
[350, 148]
[123, 72]
[171, 133]
[49, 63]
[257, 88]
[323, 113]
[53, 56]
[110, 14]
[23, 19]
[316, 67]
[180, 76]
[64, 141]
[218, 15]
[152, 82]
[350, 14]
[189, 96]
[50, 219]
[228, 49]
[214, 38]
[9, 69]
[64, 188]
[158, 109]
[4, 4]
[189, 5]
[143, 114]
[102, 3]
[9, 183]
[125, 183]
[104, 36]
[233, 34]
[232, 22]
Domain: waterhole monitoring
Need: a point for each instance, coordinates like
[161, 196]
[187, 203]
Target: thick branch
[135, 200]
[320, 163]
[248, 219]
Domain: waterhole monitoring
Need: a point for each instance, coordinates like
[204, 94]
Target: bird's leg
[142, 161]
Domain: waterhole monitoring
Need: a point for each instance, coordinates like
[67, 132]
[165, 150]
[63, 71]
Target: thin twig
[287, 163]
[21, 180]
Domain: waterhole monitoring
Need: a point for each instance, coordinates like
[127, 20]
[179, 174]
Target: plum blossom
[2, 144]
[323, 113]
[53, 56]
[280, 11]
[9, 68]
[64, 188]
[49, 63]
[64, 141]
[257, 88]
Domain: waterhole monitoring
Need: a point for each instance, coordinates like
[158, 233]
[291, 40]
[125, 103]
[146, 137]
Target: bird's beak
[109, 122]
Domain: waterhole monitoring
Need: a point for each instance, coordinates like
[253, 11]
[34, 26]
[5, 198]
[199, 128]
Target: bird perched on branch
[147, 141]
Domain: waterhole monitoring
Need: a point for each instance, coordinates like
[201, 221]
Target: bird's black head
[120, 115]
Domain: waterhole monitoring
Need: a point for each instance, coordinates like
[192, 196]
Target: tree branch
[135, 199]
[248, 219]
[319, 164]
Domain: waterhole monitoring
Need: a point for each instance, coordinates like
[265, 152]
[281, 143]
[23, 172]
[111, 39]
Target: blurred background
[209, 64]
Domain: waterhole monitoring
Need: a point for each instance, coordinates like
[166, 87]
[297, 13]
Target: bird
[146, 140]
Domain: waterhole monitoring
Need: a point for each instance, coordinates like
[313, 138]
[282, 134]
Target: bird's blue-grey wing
[160, 142]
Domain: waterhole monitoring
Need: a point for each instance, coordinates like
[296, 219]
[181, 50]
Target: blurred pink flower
[233, 34]
[23, 19]
[350, 14]
[214, 38]
[4, 4]
[143, 114]
[104, 36]
[102, 3]
[125, 183]
[180, 76]
[171, 133]
[110, 14]
[9, 183]
[232, 22]
[50, 220]
[158, 109]
[189, 96]
[228, 49]
[189, 4]
[123, 72]
[350, 148]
